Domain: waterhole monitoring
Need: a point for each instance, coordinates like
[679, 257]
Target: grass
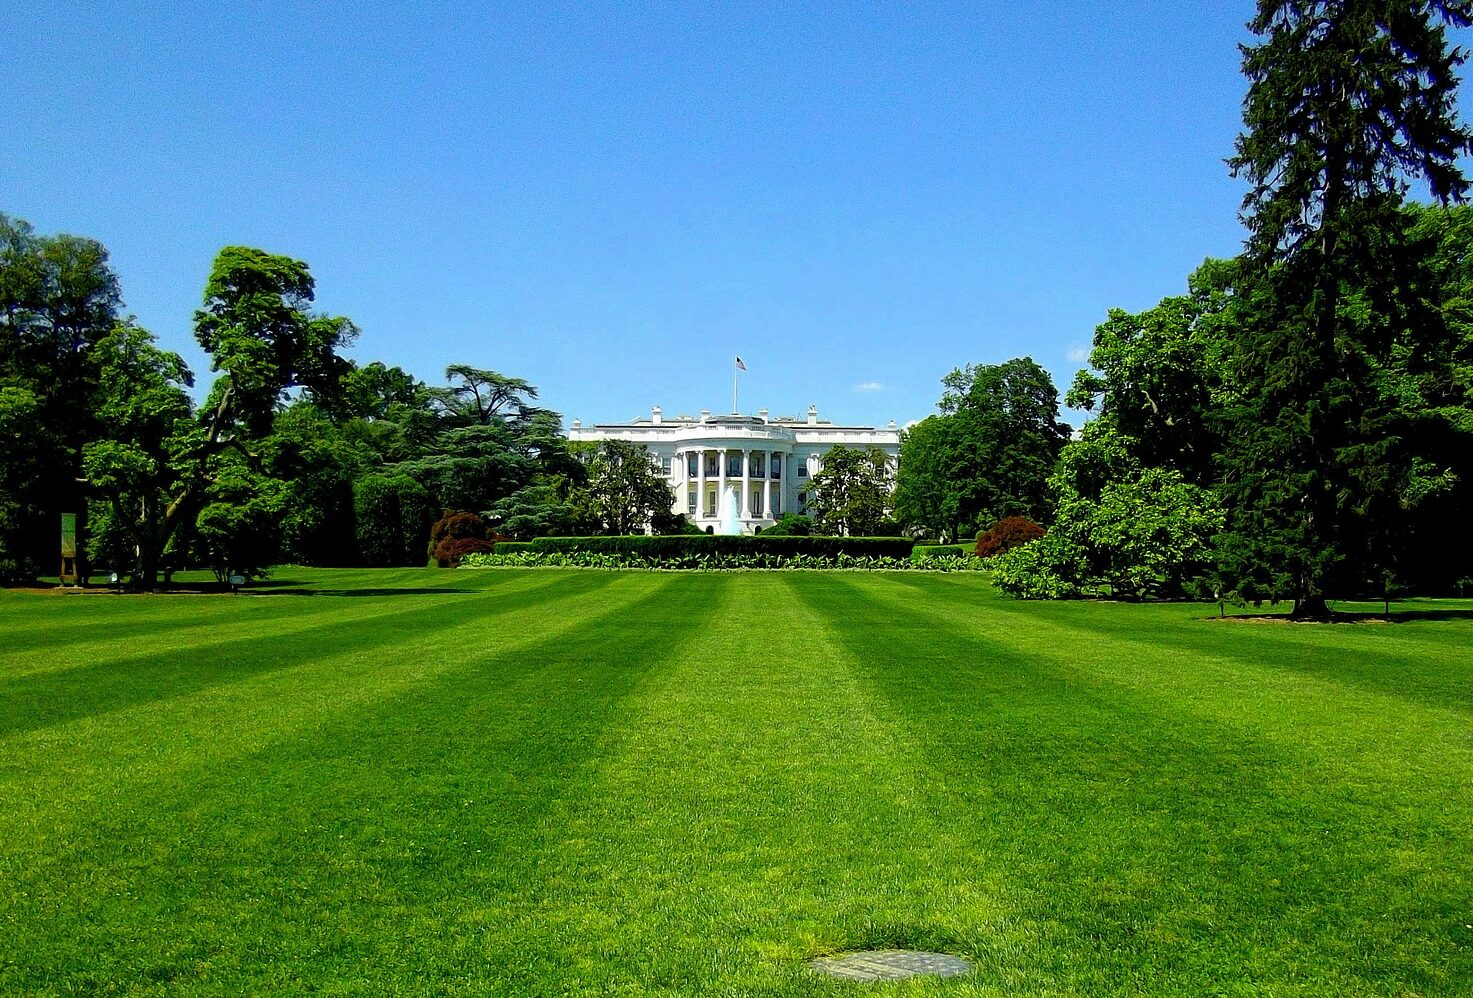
[601, 783]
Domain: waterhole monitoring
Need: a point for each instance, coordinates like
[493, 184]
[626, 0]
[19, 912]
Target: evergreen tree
[1349, 101]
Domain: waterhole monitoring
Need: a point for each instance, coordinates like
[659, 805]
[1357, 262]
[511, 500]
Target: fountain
[728, 512]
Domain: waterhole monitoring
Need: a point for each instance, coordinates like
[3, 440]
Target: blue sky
[613, 200]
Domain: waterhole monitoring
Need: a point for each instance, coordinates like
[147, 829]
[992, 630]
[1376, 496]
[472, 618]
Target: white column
[721, 478]
[700, 483]
[767, 486]
[746, 484]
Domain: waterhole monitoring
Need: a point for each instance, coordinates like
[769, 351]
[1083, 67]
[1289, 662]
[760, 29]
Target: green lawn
[546, 782]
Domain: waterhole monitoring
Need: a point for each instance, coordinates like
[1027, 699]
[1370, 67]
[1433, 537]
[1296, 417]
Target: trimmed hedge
[677, 550]
[512, 547]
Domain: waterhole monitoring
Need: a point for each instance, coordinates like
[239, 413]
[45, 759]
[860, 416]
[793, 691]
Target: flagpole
[734, 409]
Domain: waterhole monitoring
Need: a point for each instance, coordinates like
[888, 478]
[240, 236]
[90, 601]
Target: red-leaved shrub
[1005, 534]
[457, 534]
[451, 550]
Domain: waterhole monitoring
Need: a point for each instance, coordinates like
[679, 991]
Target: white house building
[736, 473]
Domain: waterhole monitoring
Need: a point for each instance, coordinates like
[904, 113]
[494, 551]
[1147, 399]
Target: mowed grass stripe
[175, 667]
[1158, 848]
[1385, 658]
[753, 811]
[1339, 705]
[112, 757]
[364, 845]
[79, 635]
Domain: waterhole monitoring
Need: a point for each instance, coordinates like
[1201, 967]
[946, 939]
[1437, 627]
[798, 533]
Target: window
[777, 505]
[710, 502]
[759, 465]
[665, 465]
[710, 465]
[733, 466]
[692, 466]
[756, 502]
[803, 470]
[777, 466]
[690, 501]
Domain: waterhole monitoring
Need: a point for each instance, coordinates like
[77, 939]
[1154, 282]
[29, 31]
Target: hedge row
[684, 549]
[714, 562]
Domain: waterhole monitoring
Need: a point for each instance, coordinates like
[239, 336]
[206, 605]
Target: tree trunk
[1311, 608]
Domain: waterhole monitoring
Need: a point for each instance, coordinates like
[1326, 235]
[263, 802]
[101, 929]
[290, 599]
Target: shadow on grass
[370, 591]
[1398, 616]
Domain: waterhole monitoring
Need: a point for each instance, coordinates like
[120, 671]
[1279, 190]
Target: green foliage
[687, 551]
[791, 525]
[987, 455]
[1159, 377]
[1348, 102]
[258, 329]
[392, 516]
[58, 299]
[238, 530]
[922, 552]
[851, 494]
[1136, 532]
[548, 507]
[148, 433]
[625, 491]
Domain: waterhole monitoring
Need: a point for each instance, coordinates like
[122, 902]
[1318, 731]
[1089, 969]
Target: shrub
[1006, 534]
[452, 550]
[791, 525]
[924, 552]
[683, 551]
[458, 533]
[391, 520]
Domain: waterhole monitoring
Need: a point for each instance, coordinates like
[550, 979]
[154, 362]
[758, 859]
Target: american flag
[740, 365]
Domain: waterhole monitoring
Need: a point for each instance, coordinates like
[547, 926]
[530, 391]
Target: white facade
[733, 474]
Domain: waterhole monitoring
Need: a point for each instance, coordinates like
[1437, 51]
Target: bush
[684, 551]
[458, 533]
[923, 552]
[512, 547]
[1006, 534]
[16, 571]
[391, 520]
[452, 550]
[791, 525]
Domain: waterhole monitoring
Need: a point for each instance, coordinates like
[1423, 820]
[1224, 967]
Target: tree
[1158, 377]
[147, 421]
[987, 455]
[626, 494]
[1141, 532]
[850, 496]
[59, 299]
[257, 326]
[1348, 101]
[392, 516]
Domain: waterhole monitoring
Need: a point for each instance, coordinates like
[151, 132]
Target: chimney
[762, 414]
[656, 414]
[812, 415]
[705, 415]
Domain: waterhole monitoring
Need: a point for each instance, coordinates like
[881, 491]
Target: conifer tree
[1349, 102]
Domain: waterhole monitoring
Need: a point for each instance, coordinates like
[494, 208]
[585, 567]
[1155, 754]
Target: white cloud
[869, 386]
[1079, 355]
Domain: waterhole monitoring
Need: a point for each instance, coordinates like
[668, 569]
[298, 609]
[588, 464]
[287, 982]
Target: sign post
[68, 573]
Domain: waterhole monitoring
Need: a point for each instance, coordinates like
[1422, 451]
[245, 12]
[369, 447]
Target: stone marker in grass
[890, 965]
